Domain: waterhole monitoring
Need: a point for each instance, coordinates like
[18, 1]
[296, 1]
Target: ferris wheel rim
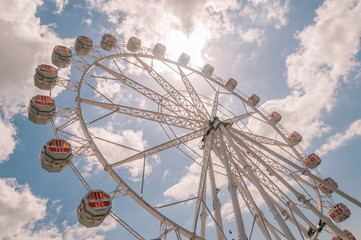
[137, 197]
[83, 124]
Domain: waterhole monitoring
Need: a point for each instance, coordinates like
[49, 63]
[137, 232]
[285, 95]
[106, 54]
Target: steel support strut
[233, 190]
[299, 196]
[258, 185]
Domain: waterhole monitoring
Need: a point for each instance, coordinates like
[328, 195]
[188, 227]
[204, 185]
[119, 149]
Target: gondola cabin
[207, 70]
[253, 100]
[339, 212]
[83, 45]
[45, 77]
[55, 155]
[312, 161]
[93, 208]
[274, 117]
[133, 44]
[295, 138]
[184, 59]
[231, 84]
[325, 189]
[61, 56]
[159, 50]
[108, 42]
[349, 235]
[41, 109]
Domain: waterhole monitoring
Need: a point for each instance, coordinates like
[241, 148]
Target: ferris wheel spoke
[194, 152]
[97, 91]
[277, 166]
[193, 94]
[162, 147]
[215, 104]
[265, 140]
[300, 196]
[163, 219]
[150, 94]
[125, 225]
[172, 91]
[232, 187]
[262, 221]
[114, 143]
[258, 185]
[148, 115]
[277, 192]
[202, 183]
[247, 198]
[261, 175]
[236, 119]
[303, 170]
[216, 203]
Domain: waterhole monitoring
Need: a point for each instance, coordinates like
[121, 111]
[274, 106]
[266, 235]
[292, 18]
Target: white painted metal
[259, 187]
[303, 170]
[187, 111]
[303, 199]
[202, 182]
[193, 94]
[130, 192]
[148, 115]
[172, 91]
[232, 189]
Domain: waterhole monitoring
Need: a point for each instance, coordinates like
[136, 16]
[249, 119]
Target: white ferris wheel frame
[221, 133]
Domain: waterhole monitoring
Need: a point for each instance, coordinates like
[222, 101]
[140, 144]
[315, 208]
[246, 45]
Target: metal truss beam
[164, 146]
[303, 170]
[194, 96]
[232, 188]
[245, 194]
[301, 197]
[172, 91]
[150, 94]
[148, 115]
[202, 183]
[258, 185]
[236, 119]
[265, 140]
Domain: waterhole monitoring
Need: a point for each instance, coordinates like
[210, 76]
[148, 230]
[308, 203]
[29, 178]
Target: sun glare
[177, 42]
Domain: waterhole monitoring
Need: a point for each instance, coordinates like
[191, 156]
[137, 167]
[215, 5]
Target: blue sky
[301, 57]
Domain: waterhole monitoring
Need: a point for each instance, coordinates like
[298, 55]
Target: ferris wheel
[205, 161]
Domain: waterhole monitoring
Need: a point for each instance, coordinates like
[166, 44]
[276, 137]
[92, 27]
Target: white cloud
[22, 217]
[340, 139]
[112, 89]
[180, 25]
[252, 35]
[267, 11]
[60, 4]
[25, 44]
[87, 21]
[79, 232]
[315, 70]
[129, 138]
[187, 185]
[19, 208]
[7, 141]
